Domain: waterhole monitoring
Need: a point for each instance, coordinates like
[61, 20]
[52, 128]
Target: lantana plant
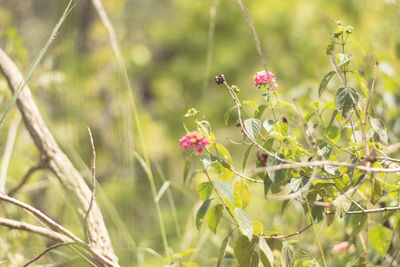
[333, 159]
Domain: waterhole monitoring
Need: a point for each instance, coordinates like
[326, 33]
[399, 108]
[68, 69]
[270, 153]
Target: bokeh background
[165, 45]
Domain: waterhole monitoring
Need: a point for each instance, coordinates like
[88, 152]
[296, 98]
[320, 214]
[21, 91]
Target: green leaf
[227, 114]
[380, 238]
[214, 216]
[334, 134]
[223, 173]
[285, 104]
[245, 224]
[342, 204]
[258, 227]
[269, 125]
[202, 212]
[317, 213]
[205, 190]
[377, 191]
[264, 248]
[362, 82]
[244, 250]
[359, 47]
[343, 59]
[225, 189]
[186, 168]
[222, 250]
[246, 156]
[267, 184]
[357, 223]
[324, 82]
[253, 127]
[241, 194]
[251, 103]
[287, 255]
[254, 260]
[258, 113]
[343, 99]
[191, 264]
[277, 177]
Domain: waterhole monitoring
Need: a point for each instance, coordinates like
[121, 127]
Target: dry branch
[56, 161]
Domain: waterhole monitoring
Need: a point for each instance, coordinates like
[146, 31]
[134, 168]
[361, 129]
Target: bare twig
[288, 235]
[88, 236]
[47, 250]
[12, 133]
[368, 211]
[25, 179]
[253, 31]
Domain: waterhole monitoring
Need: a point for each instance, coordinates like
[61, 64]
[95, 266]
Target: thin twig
[25, 179]
[288, 235]
[368, 211]
[253, 31]
[12, 133]
[88, 236]
[47, 250]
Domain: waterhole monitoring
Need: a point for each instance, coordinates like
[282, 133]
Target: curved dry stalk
[55, 160]
[88, 236]
[288, 235]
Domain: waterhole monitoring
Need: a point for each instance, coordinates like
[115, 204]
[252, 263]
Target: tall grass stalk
[38, 59]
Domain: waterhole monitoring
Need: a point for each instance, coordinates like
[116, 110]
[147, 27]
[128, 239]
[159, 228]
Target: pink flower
[267, 79]
[341, 247]
[194, 140]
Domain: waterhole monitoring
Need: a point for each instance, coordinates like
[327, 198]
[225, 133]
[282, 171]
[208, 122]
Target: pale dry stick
[55, 160]
[50, 234]
[25, 179]
[288, 235]
[88, 236]
[235, 99]
[211, 30]
[12, 133]
[368, 211]
[322, 164]
[253, 31]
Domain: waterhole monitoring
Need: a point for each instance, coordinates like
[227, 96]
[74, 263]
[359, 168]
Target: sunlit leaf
[251, 103]
[253, 127]
[334, 134]
[265, 249]
[205, 190]
[214, 216]
[225, 189]
[324, 82]
[377, 191]
[245, 224]
[258, 227]
[241, 194]
[380, 238]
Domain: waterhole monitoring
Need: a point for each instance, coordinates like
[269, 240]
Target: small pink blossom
[194, 140]
[267, 79]
[342, 247]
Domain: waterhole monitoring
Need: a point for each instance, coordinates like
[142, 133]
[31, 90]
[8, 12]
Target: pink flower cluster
[265, 78]
[342, 247]
[194, 140]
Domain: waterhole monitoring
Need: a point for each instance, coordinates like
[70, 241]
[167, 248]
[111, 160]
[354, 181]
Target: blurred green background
[165, 45]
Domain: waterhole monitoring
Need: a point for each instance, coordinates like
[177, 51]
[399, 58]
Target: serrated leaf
[258, 113]
[343, 59]
[380, 238]
[265, 249]
[202, 212]
[214, 216]
[186, 168]
[377, 191]
[342, 205]
[334, 134]
[287, 255]
[324, 82]
[253, 127]
[241, 194]
[343, 99]
[227, 114]
[246, 156]
[277, 177]
[222, 250]
[225, 189]
[269, 125]
[205, 190]
[245, 224]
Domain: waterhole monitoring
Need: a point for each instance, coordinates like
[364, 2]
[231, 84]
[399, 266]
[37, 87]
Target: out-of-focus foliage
[165, 46]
